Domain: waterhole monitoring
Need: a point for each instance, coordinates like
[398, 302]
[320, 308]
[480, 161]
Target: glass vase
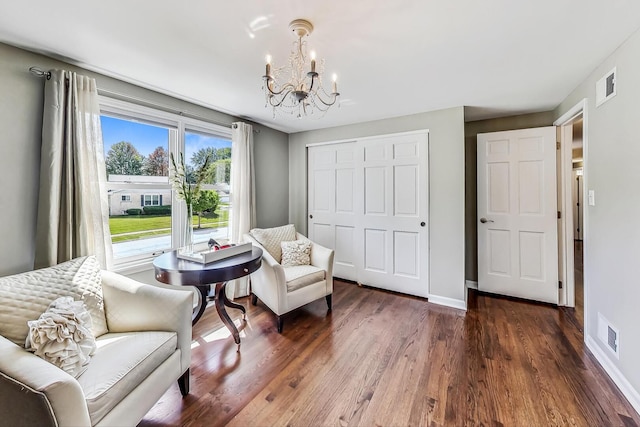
[187, 235]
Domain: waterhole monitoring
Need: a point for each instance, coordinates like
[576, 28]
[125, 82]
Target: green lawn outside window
[133, 227]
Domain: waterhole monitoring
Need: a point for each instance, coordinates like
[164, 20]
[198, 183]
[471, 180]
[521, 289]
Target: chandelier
[296, 89]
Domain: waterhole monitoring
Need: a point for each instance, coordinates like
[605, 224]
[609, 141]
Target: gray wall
[471, 131]
[446, 186]
[21, 123]
[271, 154]
[611, 248]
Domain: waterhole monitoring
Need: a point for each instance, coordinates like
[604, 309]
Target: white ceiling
[393, 58]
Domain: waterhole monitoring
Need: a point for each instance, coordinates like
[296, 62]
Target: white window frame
[151, 198]
[125, 197]
[177, 125]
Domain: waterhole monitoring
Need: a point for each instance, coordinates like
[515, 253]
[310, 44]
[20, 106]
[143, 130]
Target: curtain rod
[40, 73]
[162, 107]
[183, 113]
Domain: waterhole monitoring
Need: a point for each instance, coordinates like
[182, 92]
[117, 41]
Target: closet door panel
[372, 209]
[333, 202]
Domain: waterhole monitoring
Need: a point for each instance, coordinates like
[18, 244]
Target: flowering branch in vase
[184, 189]
[187, 191]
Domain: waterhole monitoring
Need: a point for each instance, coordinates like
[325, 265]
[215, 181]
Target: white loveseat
[143, 341]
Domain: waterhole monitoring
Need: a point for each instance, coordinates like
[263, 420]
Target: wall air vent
[606, 87]
[609, 335]
[612, 339]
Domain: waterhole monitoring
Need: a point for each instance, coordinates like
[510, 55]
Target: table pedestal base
[221, 302]
[172, 270]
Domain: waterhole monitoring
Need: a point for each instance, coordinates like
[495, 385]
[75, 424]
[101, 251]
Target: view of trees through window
[211, 207]
[140, 197]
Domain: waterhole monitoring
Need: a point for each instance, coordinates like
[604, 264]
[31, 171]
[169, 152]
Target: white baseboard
[448, 302]
[471, 284]
[625, 387]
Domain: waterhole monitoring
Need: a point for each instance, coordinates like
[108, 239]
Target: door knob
[485, 220]
[310, 216]
[422, 224]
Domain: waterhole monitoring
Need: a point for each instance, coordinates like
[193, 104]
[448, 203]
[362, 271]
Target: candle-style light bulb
[268, 66]
[313, 61]
[335, 84]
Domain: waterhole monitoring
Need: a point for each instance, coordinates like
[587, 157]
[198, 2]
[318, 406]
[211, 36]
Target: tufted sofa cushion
[26, 296]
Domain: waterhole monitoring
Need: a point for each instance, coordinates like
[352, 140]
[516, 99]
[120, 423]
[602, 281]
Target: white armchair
[143, 347]
[284, 289]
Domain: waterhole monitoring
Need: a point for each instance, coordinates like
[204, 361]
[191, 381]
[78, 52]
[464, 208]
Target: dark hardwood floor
[383, 359]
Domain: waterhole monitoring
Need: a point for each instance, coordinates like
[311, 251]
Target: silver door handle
[485, 220]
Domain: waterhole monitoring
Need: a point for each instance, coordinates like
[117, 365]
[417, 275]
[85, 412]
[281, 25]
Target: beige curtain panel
[73, 213]
[243, 195]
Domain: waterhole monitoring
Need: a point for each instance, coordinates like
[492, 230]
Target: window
[211, 209]
[151, 200]
[144, 212]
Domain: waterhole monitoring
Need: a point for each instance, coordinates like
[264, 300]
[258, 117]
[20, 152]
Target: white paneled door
[517, 214]
[368, 200]
[334, 203]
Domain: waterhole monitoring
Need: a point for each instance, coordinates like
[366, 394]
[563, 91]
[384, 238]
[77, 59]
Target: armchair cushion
[296, 252]
[271, 238]
[106, 383]
[26, 296]
[62, 336]
[300, 276]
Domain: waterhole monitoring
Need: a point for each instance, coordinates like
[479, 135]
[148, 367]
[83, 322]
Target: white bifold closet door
[368, 200]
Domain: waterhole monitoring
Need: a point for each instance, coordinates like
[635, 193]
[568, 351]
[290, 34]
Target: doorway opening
[572, 193]
[577, 174]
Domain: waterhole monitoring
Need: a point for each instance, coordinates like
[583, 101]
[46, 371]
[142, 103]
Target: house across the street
[153, 191]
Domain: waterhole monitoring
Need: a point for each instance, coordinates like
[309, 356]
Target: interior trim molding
[471, 284]
[572, 113]
[133, 267]
[566, 119]
[618, 377]
[448, 302]
[341, 141]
